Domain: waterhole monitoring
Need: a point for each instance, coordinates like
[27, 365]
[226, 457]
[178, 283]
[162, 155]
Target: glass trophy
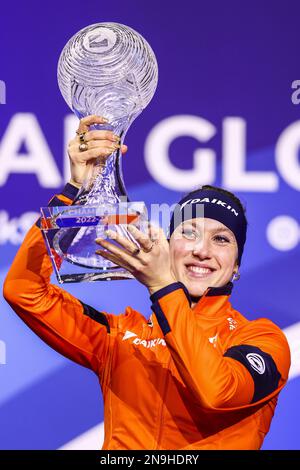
[110, 70]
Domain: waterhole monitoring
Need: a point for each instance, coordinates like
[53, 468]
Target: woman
[197, 375]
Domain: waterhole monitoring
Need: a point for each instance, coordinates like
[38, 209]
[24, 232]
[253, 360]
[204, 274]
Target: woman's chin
[197, 288]
[196, 291]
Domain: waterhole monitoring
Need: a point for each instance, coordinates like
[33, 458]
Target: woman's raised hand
[88, 145]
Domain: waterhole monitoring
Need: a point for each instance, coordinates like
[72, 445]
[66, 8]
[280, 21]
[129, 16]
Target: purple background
[216, 59]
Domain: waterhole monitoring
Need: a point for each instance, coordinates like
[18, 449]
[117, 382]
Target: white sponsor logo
[128, 334]
[146, 343]
[257, 363]
[213, 340]
[218, 202]
[283, 233]
[232, 323]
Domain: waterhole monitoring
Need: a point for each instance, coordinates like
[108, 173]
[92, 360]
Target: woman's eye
[188, 233]
[221, 239]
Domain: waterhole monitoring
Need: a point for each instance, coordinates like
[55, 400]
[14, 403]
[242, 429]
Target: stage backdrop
[226, 112]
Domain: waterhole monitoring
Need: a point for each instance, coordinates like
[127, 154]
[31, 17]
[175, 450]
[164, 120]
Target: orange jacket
[202, 378]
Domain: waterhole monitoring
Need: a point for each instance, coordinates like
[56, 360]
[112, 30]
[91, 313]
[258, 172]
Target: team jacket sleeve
[71, 327]
[220, 380]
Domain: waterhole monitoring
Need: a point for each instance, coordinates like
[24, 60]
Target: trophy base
[70, 233]
[91, 277]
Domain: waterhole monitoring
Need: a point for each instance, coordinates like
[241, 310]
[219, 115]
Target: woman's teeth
[198, 269]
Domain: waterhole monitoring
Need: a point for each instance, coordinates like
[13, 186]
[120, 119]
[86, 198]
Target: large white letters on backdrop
[286, 155]
[25, 129]
[157, 153]
[235, 175]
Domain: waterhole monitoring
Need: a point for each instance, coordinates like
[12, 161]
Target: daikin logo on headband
[218, 202]
[227, 211]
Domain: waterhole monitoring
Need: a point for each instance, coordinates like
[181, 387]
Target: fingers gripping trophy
[109, 70]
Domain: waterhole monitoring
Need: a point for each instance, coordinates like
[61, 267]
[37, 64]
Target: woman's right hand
[100, 144]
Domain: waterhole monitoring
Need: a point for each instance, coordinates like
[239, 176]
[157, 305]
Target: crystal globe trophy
[109, 70]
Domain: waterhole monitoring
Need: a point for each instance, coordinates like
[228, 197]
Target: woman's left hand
[150, 264]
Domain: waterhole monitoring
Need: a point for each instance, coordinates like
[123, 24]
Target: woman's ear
[236, 275]
[236, 265]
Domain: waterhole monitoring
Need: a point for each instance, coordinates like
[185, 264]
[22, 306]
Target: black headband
[213, 205]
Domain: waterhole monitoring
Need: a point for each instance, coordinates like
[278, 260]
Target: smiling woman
[204, 256]
[206, 251]
[197, 374]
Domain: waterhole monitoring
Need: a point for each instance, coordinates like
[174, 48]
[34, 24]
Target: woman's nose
[201, 248]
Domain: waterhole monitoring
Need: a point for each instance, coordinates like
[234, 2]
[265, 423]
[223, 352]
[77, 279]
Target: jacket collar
[213, 300]
[210, 304]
